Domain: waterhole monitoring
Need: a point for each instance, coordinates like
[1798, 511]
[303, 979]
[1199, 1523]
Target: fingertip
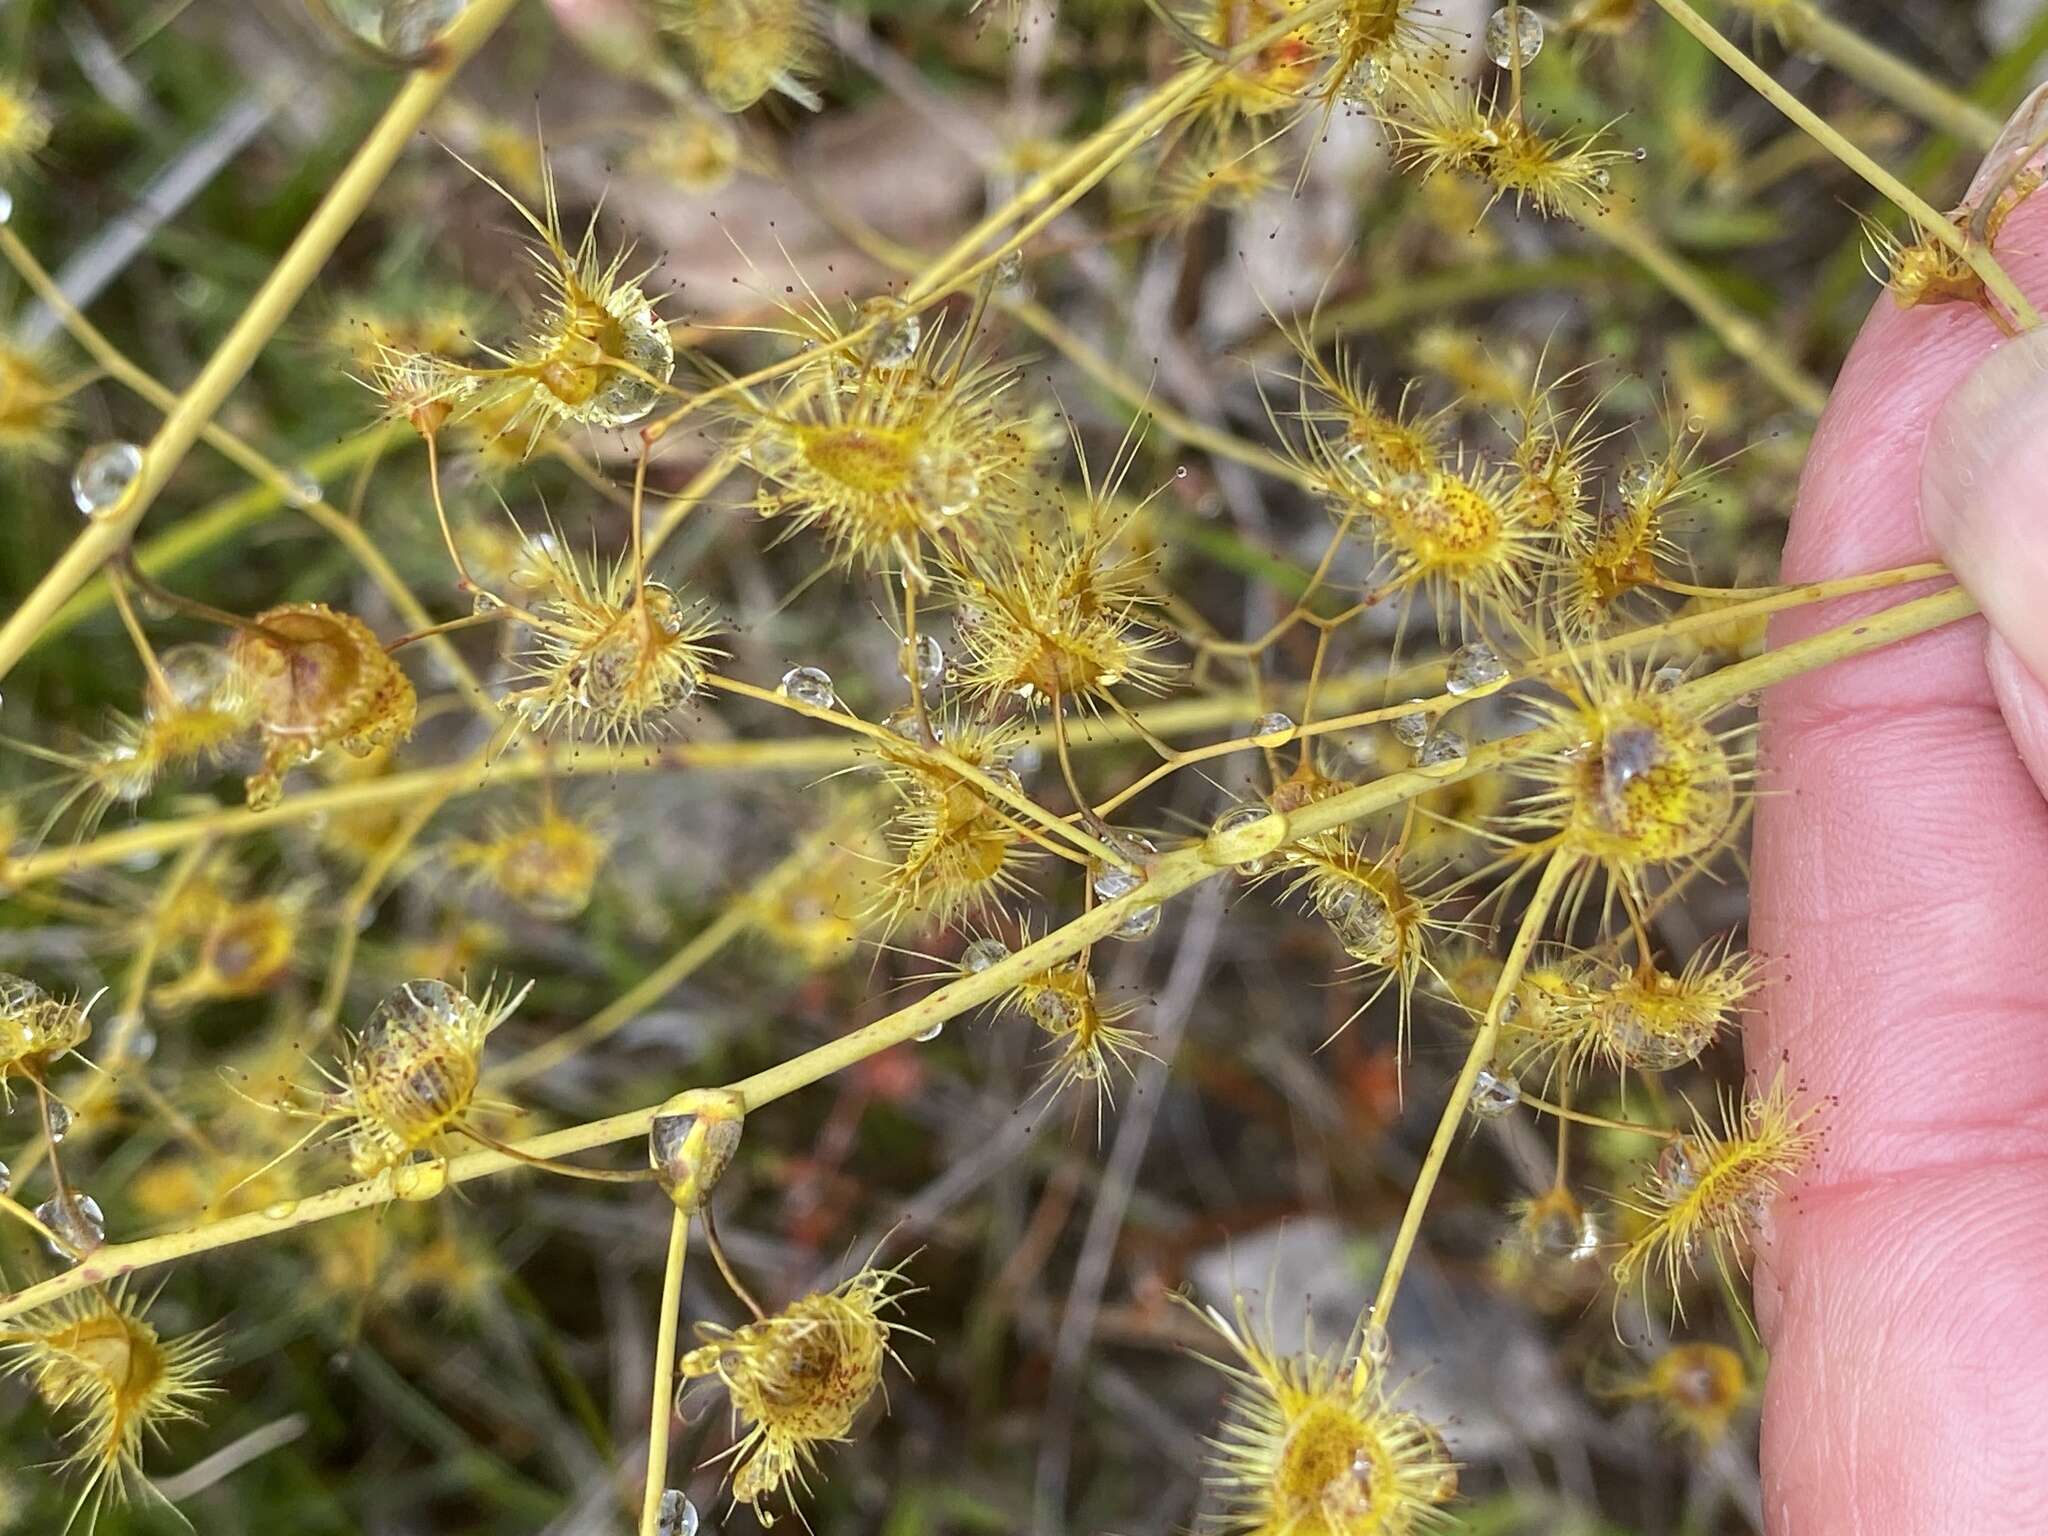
[1897, 873]
[1904, 1392]
[1859, 501]
[2023, 700]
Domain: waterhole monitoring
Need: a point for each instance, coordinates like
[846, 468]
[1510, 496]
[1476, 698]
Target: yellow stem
[1811, 30]
[701, 485]
[194, 409]
[1736, 331]
[1909, 202]
[732, 1278]
[1170, 876]
[735, 919]
[1773, 600]
[662, 1414]
[1564, 1112]
[1072, 169]
[992, 787]
[802, 756]
[194, 535]
[159, 690]
[1547, 887]
[1560, 1179]
[239, 821]
[1514, 9]
[264, 471]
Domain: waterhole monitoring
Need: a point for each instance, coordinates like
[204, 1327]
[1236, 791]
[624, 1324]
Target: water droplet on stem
[809, 685]
[104, 473]
[1514, 35]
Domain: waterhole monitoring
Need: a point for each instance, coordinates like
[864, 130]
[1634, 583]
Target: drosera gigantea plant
[895, 441]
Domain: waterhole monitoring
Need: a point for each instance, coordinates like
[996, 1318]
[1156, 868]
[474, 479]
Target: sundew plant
[933, 768]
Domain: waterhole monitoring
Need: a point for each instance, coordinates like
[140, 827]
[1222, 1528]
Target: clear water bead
[6, 1179]
[981, 954]
[1678, 1165]
[1475, 669]
[938, 1028]
[153, 606]
[77, 1222]
[1664, 679]
[1514, 35]
[1366, 83]
[650, 361]
[194, 673]
[895, 343]
[808, 685]
[1364, 927]
[1010, 270]
[60, 1120]
[1638, 481]
[1112, 882]
[649, 352]
[1139, 925]
[1411, 730]
[1566, 1232]
[6, 205]
[676, 1516]
[104, 473]
[1055, 1011]
[929, 666]
[1443, 754]
[1375, 1345]
[1587, 1245]
[1272, 730]
[904, 723]
[303, 490]
[406, 27]
[1237, 817]
[1494, 1096]
[1625, 756]
[668, 1141]
[768, 454]
[421, 1009]
[1363, 1470]
[949, 483]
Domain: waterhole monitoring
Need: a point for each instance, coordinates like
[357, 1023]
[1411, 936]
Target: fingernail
[1984, 491]
[2023, 700]
[2015, 142]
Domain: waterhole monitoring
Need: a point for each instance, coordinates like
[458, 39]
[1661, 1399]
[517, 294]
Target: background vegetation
[480, 1362]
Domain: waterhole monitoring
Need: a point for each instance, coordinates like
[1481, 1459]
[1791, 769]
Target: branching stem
[301, 264]
[1171, 875]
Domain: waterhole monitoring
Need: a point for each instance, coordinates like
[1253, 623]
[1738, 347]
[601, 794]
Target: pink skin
[1901, 887]
[1901, 893]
